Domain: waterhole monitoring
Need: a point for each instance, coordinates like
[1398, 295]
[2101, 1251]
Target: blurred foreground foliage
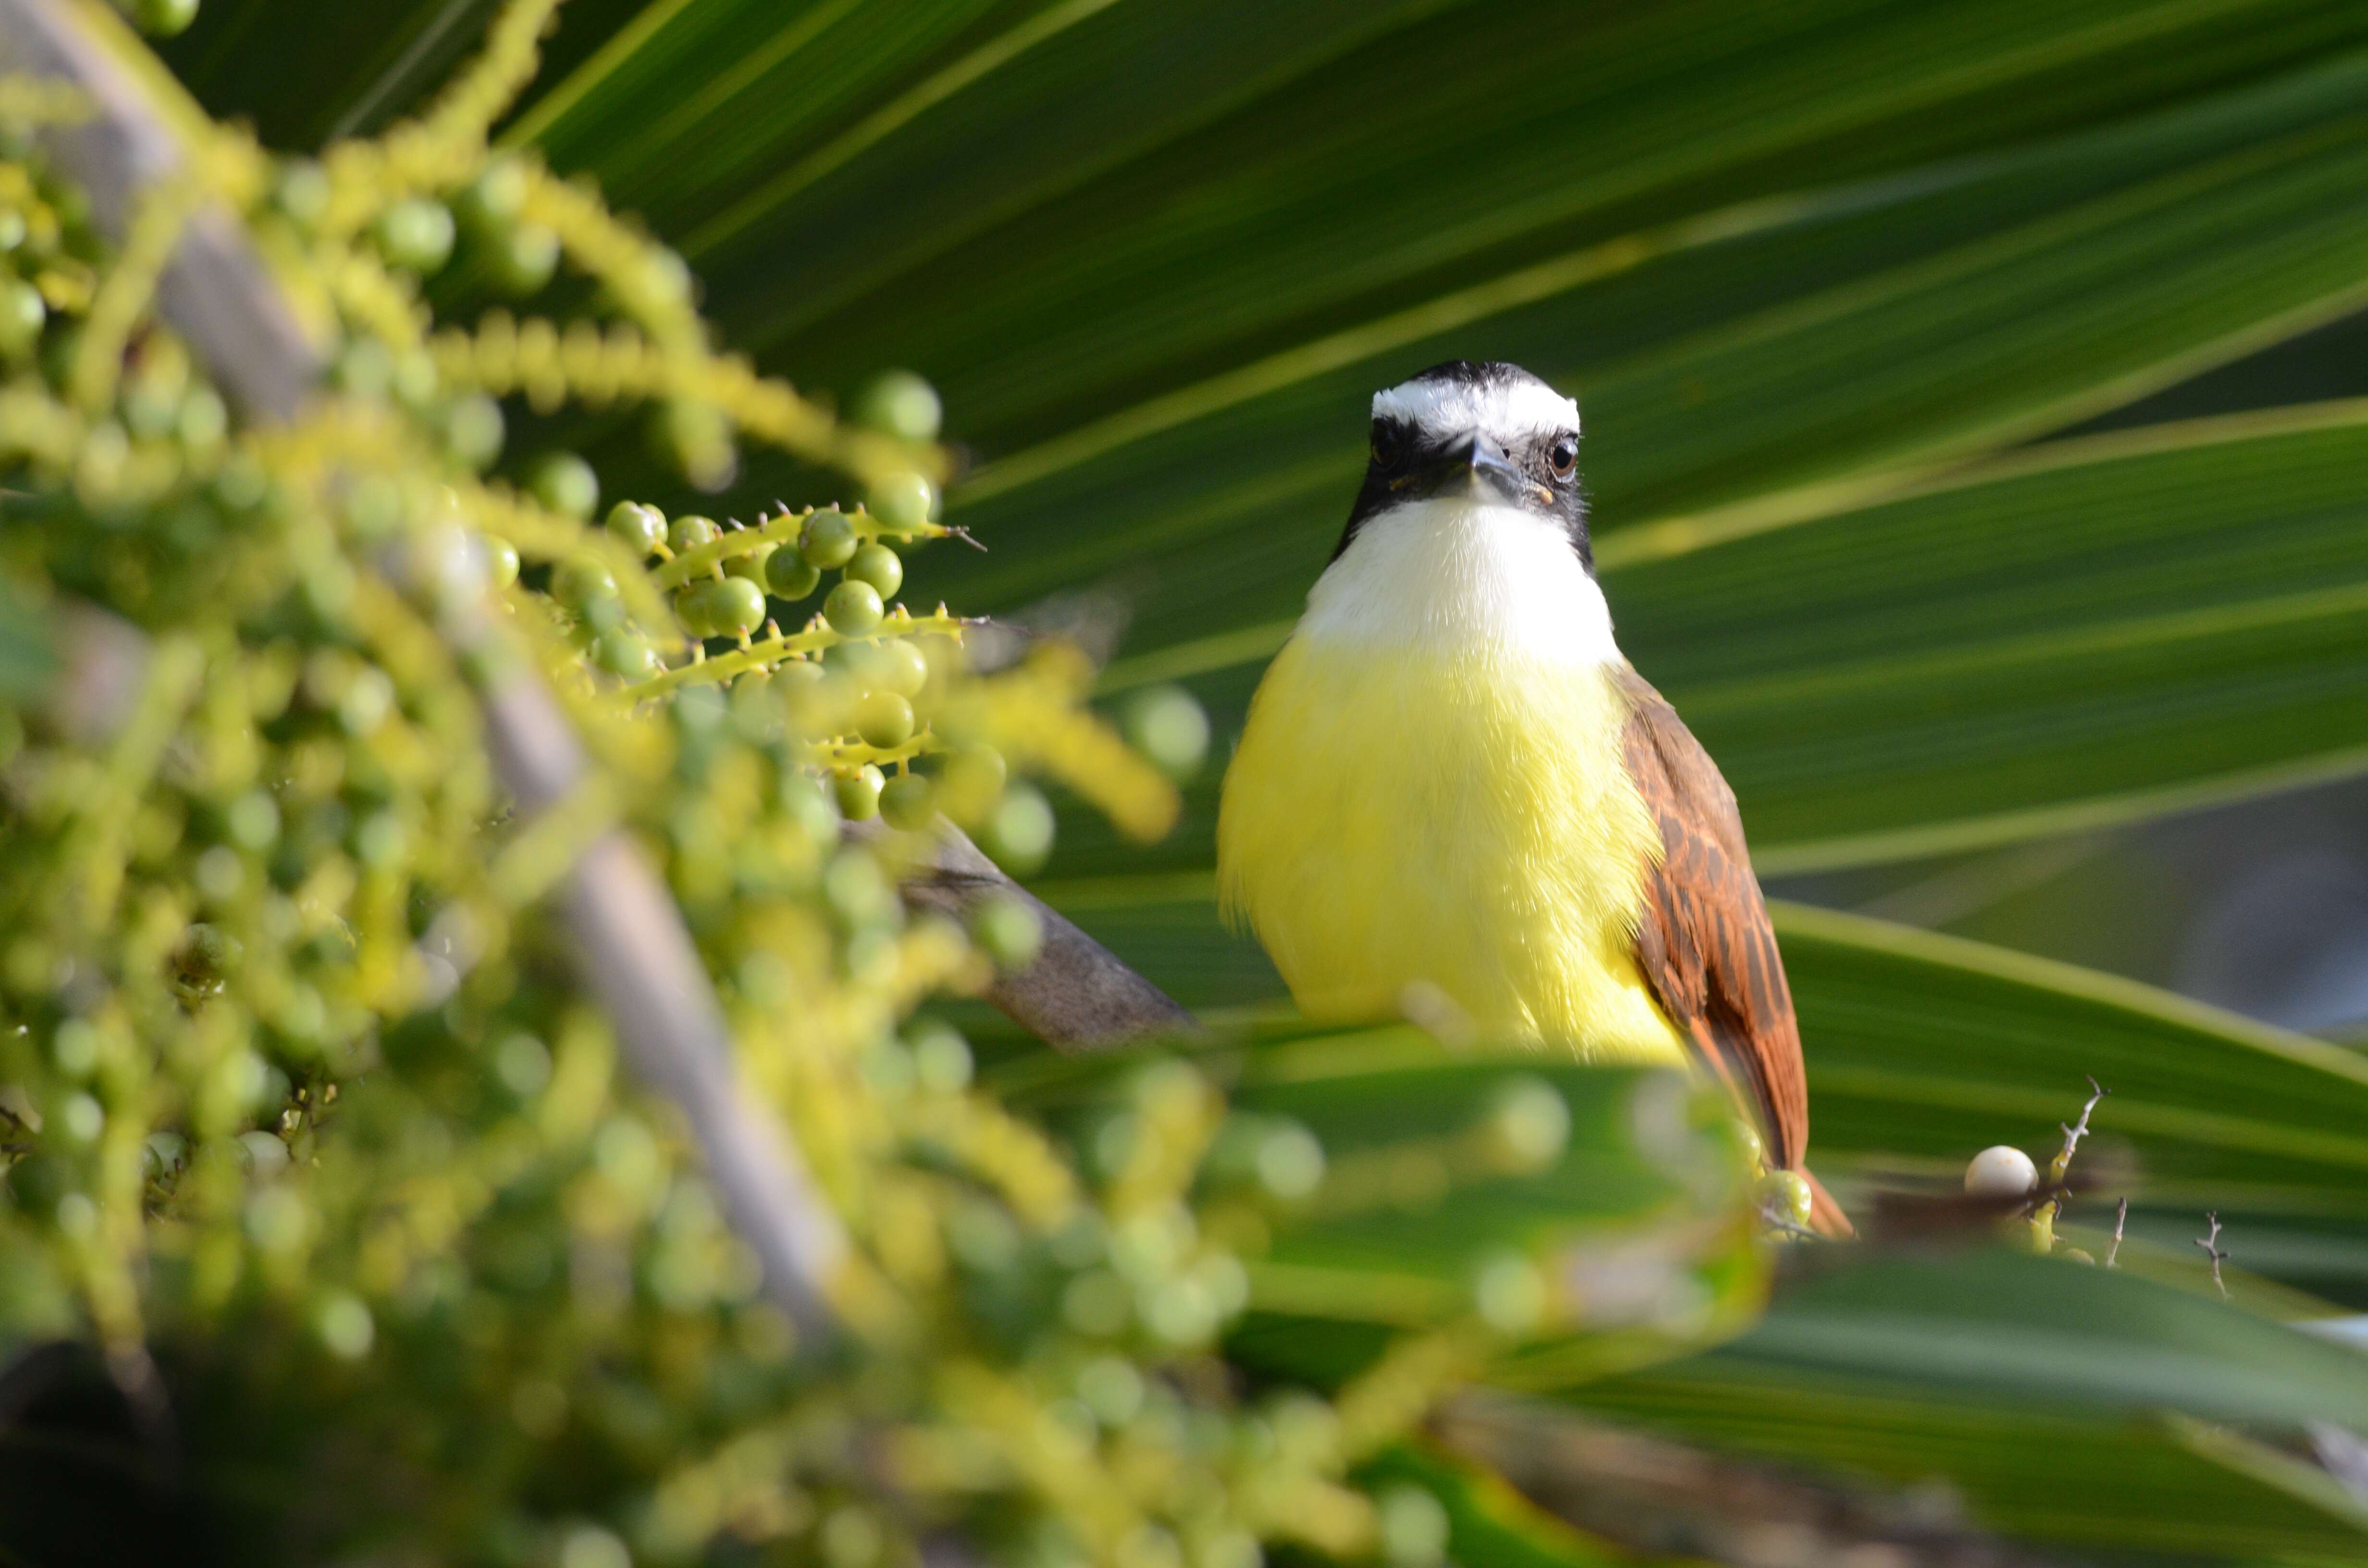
[314, 1136]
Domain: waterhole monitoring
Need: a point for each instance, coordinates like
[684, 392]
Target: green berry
[739, 605]
[525, 259]
[472, 431]
[884, 720]
[901, 404]
[695, 607]
[858, 793]
[829, 539]
[415, 234]
[1785, 1195]
[495, 196]
[565, 484]
[1167, 725]
[900, 667]
[790, 575]
[164, 19]
[641, 528]
[902, 501]
[1008, 931]
[22, 315]
[501, 561]
[583, 581]
[1019, 835]
[302, 191]
[853, 610]
[877, 564]
[974, 783]
[909, 802]
[690, 531]
[626, 653]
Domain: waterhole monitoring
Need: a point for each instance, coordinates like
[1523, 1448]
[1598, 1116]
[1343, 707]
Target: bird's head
[1478, 435]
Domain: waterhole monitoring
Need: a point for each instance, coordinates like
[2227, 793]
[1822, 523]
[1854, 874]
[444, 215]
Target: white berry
[2001, 1172]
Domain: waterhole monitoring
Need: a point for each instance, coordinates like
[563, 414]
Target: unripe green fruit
[626, 653]
[1167, 725]
[1019, 835]
[790, 575]
[501, 561]
[525, 259]
[641, 528]
[909, 802]
[22, 313]
[415, 234]
[974, 783]
[695, 607]
[565, 484]
[583, 581]
[853, 610]
[898, 667]
[690, 531]
[828, 540]
[164, 19]
[902, 404]
[858, 794]
[495, 196]
[472, 431]
[302, 191]
[884, 720]
[739, 605]
[902, 501]
[877, 564]
[1008, 931]
[1785, 1196]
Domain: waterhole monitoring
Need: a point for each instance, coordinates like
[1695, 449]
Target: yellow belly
[1397, 816]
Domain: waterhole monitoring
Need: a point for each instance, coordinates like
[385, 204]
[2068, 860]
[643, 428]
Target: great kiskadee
[1451, 783]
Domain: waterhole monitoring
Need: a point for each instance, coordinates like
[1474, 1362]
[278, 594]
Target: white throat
[1463, 578]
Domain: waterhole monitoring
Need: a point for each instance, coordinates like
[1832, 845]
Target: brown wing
[1704, 943]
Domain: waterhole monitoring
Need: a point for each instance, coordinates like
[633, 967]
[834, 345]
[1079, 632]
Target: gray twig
[2120, 1218]
[1078, 994]
[629, 940]
[2075, 1132]
[2210, 1245]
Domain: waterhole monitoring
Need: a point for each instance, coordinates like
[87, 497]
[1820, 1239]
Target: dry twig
[2210, 1245]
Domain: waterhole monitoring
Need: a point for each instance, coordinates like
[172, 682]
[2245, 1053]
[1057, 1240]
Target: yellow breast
[1452, 812]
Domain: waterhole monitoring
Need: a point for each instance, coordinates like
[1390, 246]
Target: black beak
[1490, 466]
[1478, 464]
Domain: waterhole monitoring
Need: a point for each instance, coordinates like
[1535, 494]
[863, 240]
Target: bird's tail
[1826, 1216]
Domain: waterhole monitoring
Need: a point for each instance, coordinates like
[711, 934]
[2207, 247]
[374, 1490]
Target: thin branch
[2210, 1245]
[629, 940]
[2120, 1218]
[1078, 994]
[2074, 1134]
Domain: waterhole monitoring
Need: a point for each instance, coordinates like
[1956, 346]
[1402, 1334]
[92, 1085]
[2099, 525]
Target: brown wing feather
[1704, 943]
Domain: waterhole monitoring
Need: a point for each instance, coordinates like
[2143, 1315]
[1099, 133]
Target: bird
[1452, 786]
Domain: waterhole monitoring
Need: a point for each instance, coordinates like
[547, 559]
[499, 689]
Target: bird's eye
[1387, 447]
[1563, 457]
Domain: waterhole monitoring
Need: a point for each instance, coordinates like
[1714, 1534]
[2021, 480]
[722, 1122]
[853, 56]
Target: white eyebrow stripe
[1446, 406]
